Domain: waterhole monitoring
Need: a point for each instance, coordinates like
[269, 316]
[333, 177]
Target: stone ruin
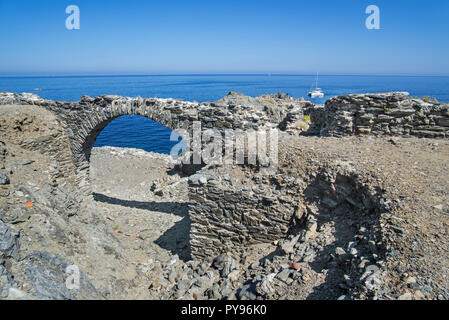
[226, 214]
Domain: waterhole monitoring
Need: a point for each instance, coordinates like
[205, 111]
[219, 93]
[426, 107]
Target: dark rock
[24, 162]
[6, 281]
[4, 179]
[214, 292]
[398, 230]
[9, 244]
[283, 275]
[219, 262]
[229, 266]
[247, 292]
[225, 265]
[47, 274]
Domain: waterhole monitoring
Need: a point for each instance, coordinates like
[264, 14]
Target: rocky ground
[131, 240]
[413, 176]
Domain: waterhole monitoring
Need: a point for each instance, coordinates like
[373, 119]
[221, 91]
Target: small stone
[183, 286]
[268, 200]
[229, 266]
[214, 293]
[265, 287]
[17, 294]
[4, 179]
[24, 162]
[394, 141]
[410, 280]
[219, 261]
[247, 292]
[288, 246]
[283, 275]
[234, 275]
[398, 229]
[19, 193]
[254, 265]
[228, 292]
[418, 295]
[363, 263]
[4, 193]
[405, 296]
[197, 180]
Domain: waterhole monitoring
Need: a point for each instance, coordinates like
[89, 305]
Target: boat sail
[317, 92]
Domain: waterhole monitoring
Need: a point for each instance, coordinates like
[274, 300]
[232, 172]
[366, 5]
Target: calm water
[142, 133]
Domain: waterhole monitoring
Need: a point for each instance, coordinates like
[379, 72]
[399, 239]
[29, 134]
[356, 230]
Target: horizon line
[213, 74]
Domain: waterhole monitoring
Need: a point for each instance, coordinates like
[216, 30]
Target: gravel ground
[131, 241]
[413, 231]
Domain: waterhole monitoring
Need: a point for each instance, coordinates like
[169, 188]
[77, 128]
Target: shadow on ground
[177, 238]
[347, 214]
[355, 209]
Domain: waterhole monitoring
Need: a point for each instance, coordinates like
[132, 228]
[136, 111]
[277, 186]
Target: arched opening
[134, 181]
[136, 132]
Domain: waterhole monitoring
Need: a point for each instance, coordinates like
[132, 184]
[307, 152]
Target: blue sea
[139, 132]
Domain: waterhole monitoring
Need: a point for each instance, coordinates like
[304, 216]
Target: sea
[142, 133]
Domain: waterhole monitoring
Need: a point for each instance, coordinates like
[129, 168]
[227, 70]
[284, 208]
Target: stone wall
[225, 216]
[231, 210]
[377, 114]
[393, 114]
[83, 120]
[37, 129]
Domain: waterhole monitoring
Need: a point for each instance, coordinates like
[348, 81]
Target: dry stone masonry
[224, 214]
[85, 119]
[385, 114]
[232, 209]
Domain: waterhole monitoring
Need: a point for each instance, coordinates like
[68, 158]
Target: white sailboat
[317, 92]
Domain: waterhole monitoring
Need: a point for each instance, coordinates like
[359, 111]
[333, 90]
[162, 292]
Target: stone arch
[95, 114]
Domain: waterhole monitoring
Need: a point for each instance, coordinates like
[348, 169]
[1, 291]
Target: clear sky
[214, 36]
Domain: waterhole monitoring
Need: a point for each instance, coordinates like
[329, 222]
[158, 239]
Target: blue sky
[245, 36]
